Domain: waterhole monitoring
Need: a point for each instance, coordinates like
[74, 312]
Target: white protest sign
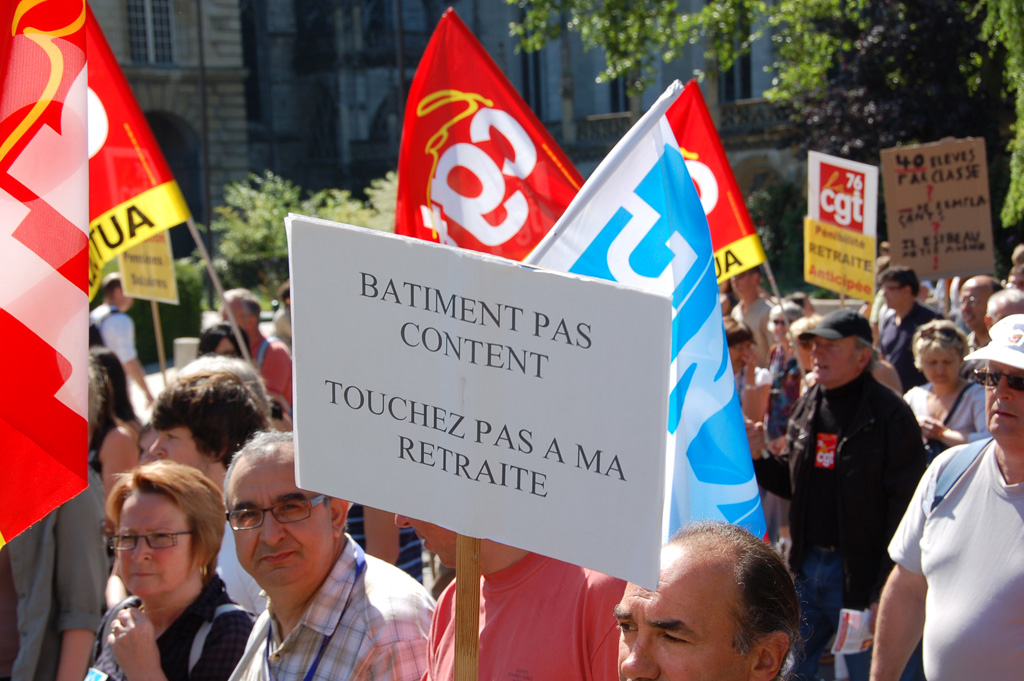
[497, 400]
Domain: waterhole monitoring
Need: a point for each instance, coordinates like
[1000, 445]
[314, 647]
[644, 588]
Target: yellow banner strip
[738, 257]
[131, 223]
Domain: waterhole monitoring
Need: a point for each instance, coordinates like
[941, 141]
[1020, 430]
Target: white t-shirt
[240, 585]
[117, 330]
[971, 552]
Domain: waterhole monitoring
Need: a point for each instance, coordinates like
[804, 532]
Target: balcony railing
[750, 117]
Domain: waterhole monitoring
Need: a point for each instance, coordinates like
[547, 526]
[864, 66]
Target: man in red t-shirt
[540, 618]
[270, 355]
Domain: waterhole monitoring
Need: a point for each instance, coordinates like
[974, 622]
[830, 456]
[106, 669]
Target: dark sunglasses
[947, 334]
[990, 379]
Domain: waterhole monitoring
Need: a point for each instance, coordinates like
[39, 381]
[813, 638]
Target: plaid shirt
[221, 650]
[380, 635]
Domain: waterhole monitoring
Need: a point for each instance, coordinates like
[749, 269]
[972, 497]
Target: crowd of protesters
[855, 419]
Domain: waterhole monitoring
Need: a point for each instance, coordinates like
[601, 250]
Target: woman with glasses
[179, 624]
[949, 409]
[201, 421]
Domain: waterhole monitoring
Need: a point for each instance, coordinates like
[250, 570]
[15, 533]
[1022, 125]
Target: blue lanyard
[360, 567]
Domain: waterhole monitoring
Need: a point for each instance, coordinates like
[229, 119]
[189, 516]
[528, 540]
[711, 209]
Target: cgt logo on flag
[476, 168]
[466, 184]
[639, 221]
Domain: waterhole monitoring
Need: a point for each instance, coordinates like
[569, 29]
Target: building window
[737, 82]
[618, 100]
[323, 140]
[532, 85]
[149, 31]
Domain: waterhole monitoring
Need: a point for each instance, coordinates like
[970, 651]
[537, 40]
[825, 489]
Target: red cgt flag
[476, 168]
[733, 237]
[132, 193]
[43, 249]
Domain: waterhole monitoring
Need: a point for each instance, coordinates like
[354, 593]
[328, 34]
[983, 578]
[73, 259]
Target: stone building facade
[332, 104]
[311, 89]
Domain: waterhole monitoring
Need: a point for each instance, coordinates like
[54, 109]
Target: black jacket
[880, 459]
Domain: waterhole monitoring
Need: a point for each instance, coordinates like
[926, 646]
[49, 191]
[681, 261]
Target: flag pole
[220, 289]
[467, 608]
[785, 317]
[158, 329]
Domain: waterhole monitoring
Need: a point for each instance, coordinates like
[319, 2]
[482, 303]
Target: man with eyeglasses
[852, 458]
[900, 287]
[974, 295]
[334, 612]
[958, 581]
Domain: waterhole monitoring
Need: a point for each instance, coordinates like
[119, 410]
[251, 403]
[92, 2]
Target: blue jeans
[820, 588]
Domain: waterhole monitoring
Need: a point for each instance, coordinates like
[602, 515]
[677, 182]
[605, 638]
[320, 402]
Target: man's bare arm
[900, 623]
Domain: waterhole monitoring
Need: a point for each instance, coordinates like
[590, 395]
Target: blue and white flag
[638, 220]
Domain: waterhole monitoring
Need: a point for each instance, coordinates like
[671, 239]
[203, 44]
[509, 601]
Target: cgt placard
[839, 259]
[495, 399]
[938, 209]
[842, 193]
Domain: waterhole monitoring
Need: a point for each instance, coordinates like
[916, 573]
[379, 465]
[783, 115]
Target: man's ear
[767, 656]
[339, 515]
[866, 354]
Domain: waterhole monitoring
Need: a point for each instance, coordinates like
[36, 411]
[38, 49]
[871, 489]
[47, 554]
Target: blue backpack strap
[261, 353]
[955, 469]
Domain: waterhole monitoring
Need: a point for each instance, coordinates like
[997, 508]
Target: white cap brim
[1007, 344]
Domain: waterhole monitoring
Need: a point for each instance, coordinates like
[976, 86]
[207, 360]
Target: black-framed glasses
[156, 540]
[990, 379]
[290, 511]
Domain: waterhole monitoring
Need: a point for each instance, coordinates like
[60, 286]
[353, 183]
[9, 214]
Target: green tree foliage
[844, 66]
[253, 248]
[778, 213]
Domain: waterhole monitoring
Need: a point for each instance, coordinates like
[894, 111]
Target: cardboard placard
[494, 399]
[938, 209]
[842, 193]
[147, 270]
[840, 260]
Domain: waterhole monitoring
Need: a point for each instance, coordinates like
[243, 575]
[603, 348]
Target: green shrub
[251, 242]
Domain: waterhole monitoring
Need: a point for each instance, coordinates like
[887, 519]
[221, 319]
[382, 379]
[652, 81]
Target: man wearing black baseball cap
[852, 459]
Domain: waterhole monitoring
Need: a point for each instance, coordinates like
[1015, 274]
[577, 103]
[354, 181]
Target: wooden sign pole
[159, 331]
[467, 608]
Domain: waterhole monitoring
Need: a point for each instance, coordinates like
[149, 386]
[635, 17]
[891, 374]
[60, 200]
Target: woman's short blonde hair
[940, 334]
[188, 489]
[804, 324]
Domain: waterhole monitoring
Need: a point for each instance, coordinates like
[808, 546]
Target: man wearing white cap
[958, 579]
